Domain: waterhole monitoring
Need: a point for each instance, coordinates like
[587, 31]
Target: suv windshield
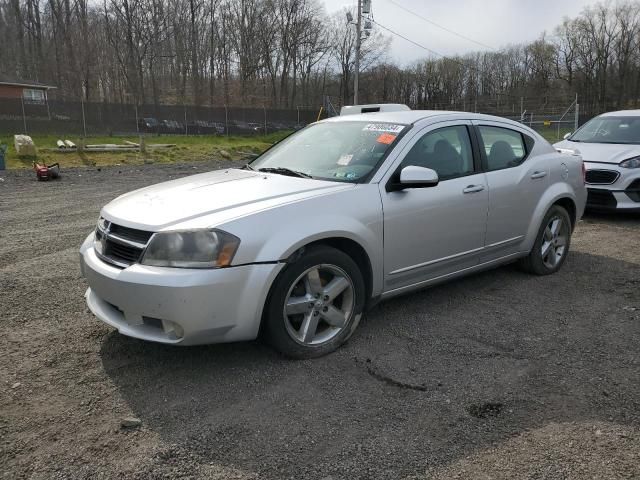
[338, 151]
[609, 130]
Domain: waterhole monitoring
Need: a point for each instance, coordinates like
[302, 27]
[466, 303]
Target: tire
[548, 260]
[331, 300]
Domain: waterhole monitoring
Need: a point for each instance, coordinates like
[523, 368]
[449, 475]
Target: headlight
[191, 249]
[631, 163]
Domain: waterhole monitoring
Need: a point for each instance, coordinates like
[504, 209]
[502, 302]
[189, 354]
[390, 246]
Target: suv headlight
[191, 249]
[631, 163]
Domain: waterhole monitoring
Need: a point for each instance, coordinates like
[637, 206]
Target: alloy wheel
[554, 242]
[319, 304]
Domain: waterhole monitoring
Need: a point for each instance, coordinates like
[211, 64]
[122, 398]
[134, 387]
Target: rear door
[431, 232]
[516, 179]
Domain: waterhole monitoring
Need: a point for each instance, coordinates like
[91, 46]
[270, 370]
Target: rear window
[503, 147]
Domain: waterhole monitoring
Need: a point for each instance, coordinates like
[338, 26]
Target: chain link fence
[551, 117]
[78, 118]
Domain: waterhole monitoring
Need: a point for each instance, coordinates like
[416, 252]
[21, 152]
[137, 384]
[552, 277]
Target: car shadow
[427, 379]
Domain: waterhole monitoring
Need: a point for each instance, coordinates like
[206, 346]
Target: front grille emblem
[119, 245]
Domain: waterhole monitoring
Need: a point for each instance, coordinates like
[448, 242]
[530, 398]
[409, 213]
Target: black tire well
[570, 207]
[355, 251]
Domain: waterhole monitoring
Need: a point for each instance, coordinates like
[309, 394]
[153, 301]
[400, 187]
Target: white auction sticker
[345, 159]
[383, 127]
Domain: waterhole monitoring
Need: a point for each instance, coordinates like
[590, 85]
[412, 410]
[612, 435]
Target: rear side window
[504, 148]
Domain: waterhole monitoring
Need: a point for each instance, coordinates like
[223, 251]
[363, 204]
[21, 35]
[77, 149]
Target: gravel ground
[499, 375]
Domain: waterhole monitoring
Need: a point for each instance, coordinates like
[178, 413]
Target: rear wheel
[552, 243]
[316, 303]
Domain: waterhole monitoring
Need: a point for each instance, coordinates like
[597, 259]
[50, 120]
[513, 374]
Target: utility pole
[364, 7]
[358, 44]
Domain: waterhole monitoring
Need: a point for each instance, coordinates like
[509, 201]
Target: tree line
[286, 53]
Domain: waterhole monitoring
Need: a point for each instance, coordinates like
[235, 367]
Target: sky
[495, 23]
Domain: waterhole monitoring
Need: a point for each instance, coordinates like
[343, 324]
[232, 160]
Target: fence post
[264, 108]
[24, 117]
[226, 120]
[521, 107]
[298, 110]
[186, 129]
[84, 121]
[576, 119]
[137, 120]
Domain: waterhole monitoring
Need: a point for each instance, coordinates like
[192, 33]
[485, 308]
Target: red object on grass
[45, 172]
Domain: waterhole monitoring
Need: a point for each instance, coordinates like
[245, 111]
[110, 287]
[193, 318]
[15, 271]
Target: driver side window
[446, 150]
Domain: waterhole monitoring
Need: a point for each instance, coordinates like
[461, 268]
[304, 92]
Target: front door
[431, 232]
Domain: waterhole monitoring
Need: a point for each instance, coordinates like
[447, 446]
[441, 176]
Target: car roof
[413, 116]
[622, 113]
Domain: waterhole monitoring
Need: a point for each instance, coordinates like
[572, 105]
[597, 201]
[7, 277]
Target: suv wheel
[552, 243]
[315, 304]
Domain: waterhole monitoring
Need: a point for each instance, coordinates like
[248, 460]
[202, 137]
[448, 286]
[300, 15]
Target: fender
[354, 214]
[554, 193]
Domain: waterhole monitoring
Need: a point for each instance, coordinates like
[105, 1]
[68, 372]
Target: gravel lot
[499, 375]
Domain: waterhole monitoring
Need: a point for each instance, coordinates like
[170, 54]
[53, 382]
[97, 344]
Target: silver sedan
[346, 212]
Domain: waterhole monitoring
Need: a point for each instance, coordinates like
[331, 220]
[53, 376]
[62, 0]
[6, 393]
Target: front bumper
[623, 194]
[178, 306]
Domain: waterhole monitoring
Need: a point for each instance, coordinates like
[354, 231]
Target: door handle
[473, 189]
[535, 175]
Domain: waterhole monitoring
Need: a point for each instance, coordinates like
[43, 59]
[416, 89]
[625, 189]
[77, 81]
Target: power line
[445, 57]
[421, 46]
[440, 26]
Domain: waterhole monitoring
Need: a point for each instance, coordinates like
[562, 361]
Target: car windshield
[338, 151]
[624, 130]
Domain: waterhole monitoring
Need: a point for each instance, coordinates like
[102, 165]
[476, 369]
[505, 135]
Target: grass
[551, 133]
[188, 148]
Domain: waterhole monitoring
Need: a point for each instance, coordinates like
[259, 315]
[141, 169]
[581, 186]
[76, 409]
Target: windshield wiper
[284, 171]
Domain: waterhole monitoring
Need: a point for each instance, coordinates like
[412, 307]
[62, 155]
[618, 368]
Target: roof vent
[382, 107]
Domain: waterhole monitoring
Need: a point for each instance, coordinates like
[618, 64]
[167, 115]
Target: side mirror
[567, 135]
[415, 177]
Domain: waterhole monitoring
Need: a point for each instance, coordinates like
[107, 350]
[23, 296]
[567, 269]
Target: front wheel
[315, 304]
[552, 243]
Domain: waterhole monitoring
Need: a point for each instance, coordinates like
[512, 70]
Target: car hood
[601, 152]
[208, 199]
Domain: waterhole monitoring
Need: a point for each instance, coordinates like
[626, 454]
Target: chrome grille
[130, 233]
[119, 245]
[601, 177]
